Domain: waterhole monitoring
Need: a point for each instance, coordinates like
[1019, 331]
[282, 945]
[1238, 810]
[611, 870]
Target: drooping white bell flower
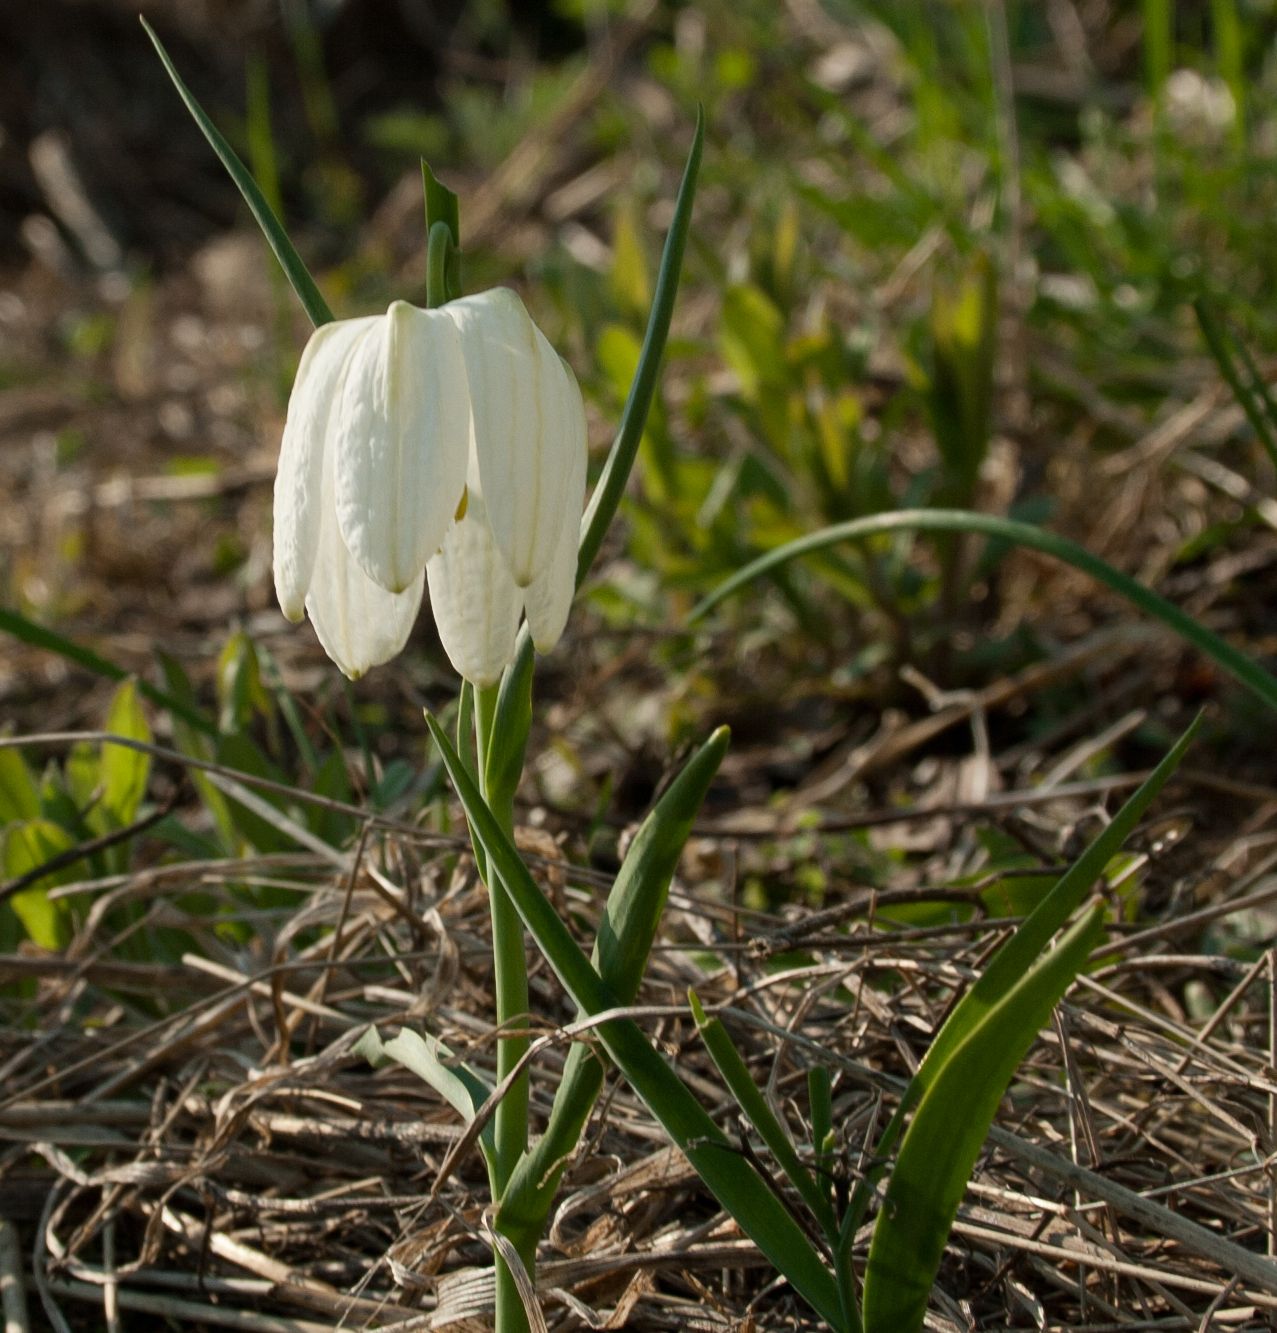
[453, 436]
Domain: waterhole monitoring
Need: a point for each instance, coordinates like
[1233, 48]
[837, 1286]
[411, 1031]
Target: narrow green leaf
[511, 724]
[443, 240]
[124, 771]
[1251, 397]
[27, 631]
[1017, 955]
[620, 460]
[820, 1098]
[297, 273]
[637, 899]
[459, 1085]
[441, 204]
[735, 1183]
[753, 1106]
[946, 1134]
[630, 920]
[1230, 659]
[1011, 962]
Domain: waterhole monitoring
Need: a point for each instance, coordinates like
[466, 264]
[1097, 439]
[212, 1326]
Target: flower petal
[404, 438]
[360, 624]
[475, 601]
[299, 480]
[548, 598]
[529, 426]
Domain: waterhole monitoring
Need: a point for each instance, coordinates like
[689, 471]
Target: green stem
[510, 982]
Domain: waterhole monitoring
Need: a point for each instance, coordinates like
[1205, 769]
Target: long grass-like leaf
[27, 631]
[946, 1134]
[620, 460]
[631, 917]
[735, 1183]
[1236, 663]
[754, 1108]
[1252, 396]
[1013, 960]
[1017, 954]
[276, 237]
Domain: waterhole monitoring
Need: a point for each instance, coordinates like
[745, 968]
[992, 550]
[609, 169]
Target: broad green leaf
[298, 275]
[732, 1180]
[630, 920]
[27, 847]
[331, 779]
[753, 1106]
[19, 795]
[124, 771]
[753, 339]
[948, 1129]
[458, 1084]
[1230, 659]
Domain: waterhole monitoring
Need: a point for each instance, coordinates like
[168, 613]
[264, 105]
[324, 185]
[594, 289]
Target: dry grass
[196, 1139]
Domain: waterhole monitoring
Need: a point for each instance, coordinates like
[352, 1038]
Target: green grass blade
[1159, 45]
[753, 1106]
[620, 460]
[1236, 663]
[27, 631]
[630, 921]
[820, 1099]
[732, 1180]
[297, 273]
[947, 1132]
[1218, 337]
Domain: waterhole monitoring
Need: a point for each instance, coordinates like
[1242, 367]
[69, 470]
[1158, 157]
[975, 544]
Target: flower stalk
[446, 445]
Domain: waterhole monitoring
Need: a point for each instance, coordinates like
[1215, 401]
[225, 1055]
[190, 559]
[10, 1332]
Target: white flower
[451, 440]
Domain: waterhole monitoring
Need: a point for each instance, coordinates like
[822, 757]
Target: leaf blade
[295, 270]
[949, 1127]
